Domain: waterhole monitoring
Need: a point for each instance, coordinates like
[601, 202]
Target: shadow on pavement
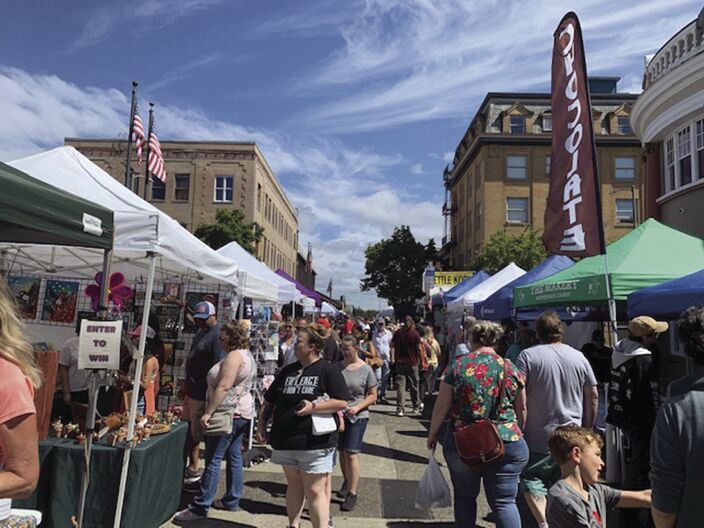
[275, 489]
[416, 434]
[253, 506]
[214, 523]
[434, 524]
[394, 454]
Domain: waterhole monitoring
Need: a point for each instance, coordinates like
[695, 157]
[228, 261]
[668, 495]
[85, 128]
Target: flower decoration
[118, 291]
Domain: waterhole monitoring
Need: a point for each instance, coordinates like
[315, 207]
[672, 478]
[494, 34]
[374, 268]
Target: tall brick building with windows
[202, 177]
[499, 176]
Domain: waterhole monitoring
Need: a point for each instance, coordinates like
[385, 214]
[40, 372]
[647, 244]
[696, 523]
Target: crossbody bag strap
[502, 391]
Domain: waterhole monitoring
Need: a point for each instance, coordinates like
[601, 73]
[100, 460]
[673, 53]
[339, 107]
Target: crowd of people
[555, 411]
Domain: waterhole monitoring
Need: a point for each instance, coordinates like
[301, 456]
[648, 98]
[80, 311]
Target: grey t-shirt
[556, 377]
[677, 444]
[359, 381]
[568, 509]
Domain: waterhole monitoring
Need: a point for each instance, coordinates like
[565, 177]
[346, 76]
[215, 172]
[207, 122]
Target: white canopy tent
[328, 309]
[308, 304]
[257, 280]
[465, 303]
[144, 239]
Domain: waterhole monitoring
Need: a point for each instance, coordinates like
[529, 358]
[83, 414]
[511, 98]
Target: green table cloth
[153, 489]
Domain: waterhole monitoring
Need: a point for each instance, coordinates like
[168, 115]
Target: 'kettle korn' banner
[573, 215]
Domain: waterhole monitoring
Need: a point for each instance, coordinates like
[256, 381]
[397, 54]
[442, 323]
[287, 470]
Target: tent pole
[613, 327]
[135, 390]
[94, 387]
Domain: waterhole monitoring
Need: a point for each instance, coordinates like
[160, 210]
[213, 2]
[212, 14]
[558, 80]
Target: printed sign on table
[99, 345]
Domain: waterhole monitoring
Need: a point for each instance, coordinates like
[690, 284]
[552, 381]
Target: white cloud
[344, 199]
[417, 169]
[404, 62]
[144, 15]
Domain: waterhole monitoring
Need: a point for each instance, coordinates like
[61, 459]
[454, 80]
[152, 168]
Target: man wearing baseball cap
[205, 352]
[633, 401]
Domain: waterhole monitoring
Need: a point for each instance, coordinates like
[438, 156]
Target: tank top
[240, 395]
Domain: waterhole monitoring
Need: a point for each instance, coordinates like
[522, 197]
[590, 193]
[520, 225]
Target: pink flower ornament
[118, 291]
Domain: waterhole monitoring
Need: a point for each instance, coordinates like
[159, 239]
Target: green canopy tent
[34, 212]
[650, 254]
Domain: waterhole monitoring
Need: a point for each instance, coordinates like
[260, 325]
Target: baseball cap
[204, 310]
[644, 325]
[151, 334]
[324, 322]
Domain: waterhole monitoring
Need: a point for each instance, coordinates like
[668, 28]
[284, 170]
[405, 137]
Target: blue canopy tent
[463, 287]
[500, 305]
[669, 299]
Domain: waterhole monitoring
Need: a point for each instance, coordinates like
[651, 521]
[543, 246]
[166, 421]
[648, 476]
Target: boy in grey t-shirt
[578, 500]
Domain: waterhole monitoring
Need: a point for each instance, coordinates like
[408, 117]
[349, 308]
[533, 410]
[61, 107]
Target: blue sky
[357, 105]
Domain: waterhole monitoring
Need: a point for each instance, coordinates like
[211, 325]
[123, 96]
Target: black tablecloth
[153, 487]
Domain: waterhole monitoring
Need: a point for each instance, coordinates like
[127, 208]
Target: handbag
[479, 443]
[323, 423]
[220, 423]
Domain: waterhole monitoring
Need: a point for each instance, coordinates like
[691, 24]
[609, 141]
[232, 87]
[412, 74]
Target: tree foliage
[525, 249]
[230, 226]
[394, 266]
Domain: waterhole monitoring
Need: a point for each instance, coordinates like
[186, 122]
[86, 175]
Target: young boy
[577, 499]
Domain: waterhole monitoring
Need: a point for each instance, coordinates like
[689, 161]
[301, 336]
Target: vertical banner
[573, 224]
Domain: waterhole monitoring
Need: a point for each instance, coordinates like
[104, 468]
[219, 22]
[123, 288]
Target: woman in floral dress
[467, 394]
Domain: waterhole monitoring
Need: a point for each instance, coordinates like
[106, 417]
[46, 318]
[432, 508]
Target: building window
[135, 184]
[158, 189]
[258, 203]
[624, 125]
[517, 167]
[684, 156]
[547, 122]
[624, 211]
[700, 149]
[223, 189]
[670, 165]
[517, 124]
[517, 210]
[624, 168]
[548, 164]
[478, 217]
[182, 187]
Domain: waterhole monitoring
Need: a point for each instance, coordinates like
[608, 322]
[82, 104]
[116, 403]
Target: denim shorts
[351, 438]
[314, 461]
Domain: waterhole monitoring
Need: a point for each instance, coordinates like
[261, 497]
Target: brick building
[205, 176]
[500, 173]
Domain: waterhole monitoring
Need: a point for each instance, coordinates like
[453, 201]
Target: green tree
[526, 249]
[394, 267]
[230, 226]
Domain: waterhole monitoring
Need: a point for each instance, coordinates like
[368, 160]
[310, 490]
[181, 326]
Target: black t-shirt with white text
[293, 384]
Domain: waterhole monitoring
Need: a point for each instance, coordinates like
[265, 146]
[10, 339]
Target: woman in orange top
[19, 451]
[149, 384]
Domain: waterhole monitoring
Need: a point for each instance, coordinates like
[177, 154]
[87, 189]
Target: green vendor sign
[648, 255]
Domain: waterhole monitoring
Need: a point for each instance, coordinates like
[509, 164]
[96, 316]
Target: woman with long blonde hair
[19, 376]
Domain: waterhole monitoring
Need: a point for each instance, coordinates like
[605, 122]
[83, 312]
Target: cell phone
[301, 405]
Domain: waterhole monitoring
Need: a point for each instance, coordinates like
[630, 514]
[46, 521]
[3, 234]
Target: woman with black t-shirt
[309, 385]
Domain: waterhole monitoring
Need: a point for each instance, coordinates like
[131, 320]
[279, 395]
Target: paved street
[392, 462]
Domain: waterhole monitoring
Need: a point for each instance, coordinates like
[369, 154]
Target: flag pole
[149, 137]
[133, 109]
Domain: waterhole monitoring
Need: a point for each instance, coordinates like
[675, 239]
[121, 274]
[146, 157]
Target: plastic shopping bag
[433, 491]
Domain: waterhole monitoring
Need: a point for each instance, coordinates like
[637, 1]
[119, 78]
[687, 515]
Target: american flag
[156, 160]
[138, 133]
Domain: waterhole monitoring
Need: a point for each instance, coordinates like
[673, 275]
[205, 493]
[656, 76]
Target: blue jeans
[500, 484]
[216, 448]
[384, 382]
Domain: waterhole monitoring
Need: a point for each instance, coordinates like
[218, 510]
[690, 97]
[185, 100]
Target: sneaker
[191, 476]
[330, 523]
[344, 491]
[400, 413]
[187, 515]
[350, 502]
[218, 505]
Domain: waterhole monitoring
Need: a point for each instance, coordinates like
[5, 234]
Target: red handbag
[479, 443]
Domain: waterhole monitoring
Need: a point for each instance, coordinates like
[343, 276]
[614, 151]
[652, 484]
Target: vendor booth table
[153, 489]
